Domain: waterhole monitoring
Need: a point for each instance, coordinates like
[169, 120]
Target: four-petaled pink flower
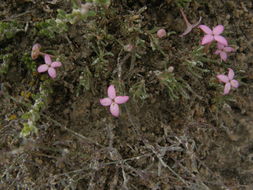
[228, 80]
[212, 35]
[223, 50]
[113, 101]
[49, 66]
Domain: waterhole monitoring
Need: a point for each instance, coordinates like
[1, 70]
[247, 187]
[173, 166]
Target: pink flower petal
[111, 92]
[105, 102]
[223, 55]
[229, 49]
[221, 40]
[223, 78]
[52, 72]
[231, 74]
[217, 52]
[220, 46]
[121, 99]
[227, 88]
[205, 29]
[114, 109]
[218, 29]
[56, 64]
[42, 68]
[207, 39]
[234, 83]
[47, 59]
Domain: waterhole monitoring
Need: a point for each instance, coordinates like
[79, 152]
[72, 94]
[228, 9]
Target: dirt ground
[176, 132]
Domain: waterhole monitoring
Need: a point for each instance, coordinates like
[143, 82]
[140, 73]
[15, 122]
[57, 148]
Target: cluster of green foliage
[9, 29]
[28, 62]
[85, 79]
[195, 63]
[173, 86]
[138, 91]
[103, 2]
[50, 27]
[182, 3]
[5, 63]
[33, 115]
[60, 25]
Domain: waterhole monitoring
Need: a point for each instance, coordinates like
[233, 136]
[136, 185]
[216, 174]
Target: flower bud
[171, 69]
[35, 51]
[161, 33]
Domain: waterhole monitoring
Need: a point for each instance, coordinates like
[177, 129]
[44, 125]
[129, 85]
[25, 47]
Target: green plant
[4, 66]
[194, 64]
[102, 2]
[9, 29]
[85, 79]
[29, 63]
[174, 88]
[33, 115]
[138, 91]
[182, 3]
[59, 25]
[51, 27]
[101, 60]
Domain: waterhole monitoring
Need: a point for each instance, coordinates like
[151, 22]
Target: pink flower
[223, 50]
[228, 80]
[113, 101]
[212, 35]
[49, 66]
[161, 33]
